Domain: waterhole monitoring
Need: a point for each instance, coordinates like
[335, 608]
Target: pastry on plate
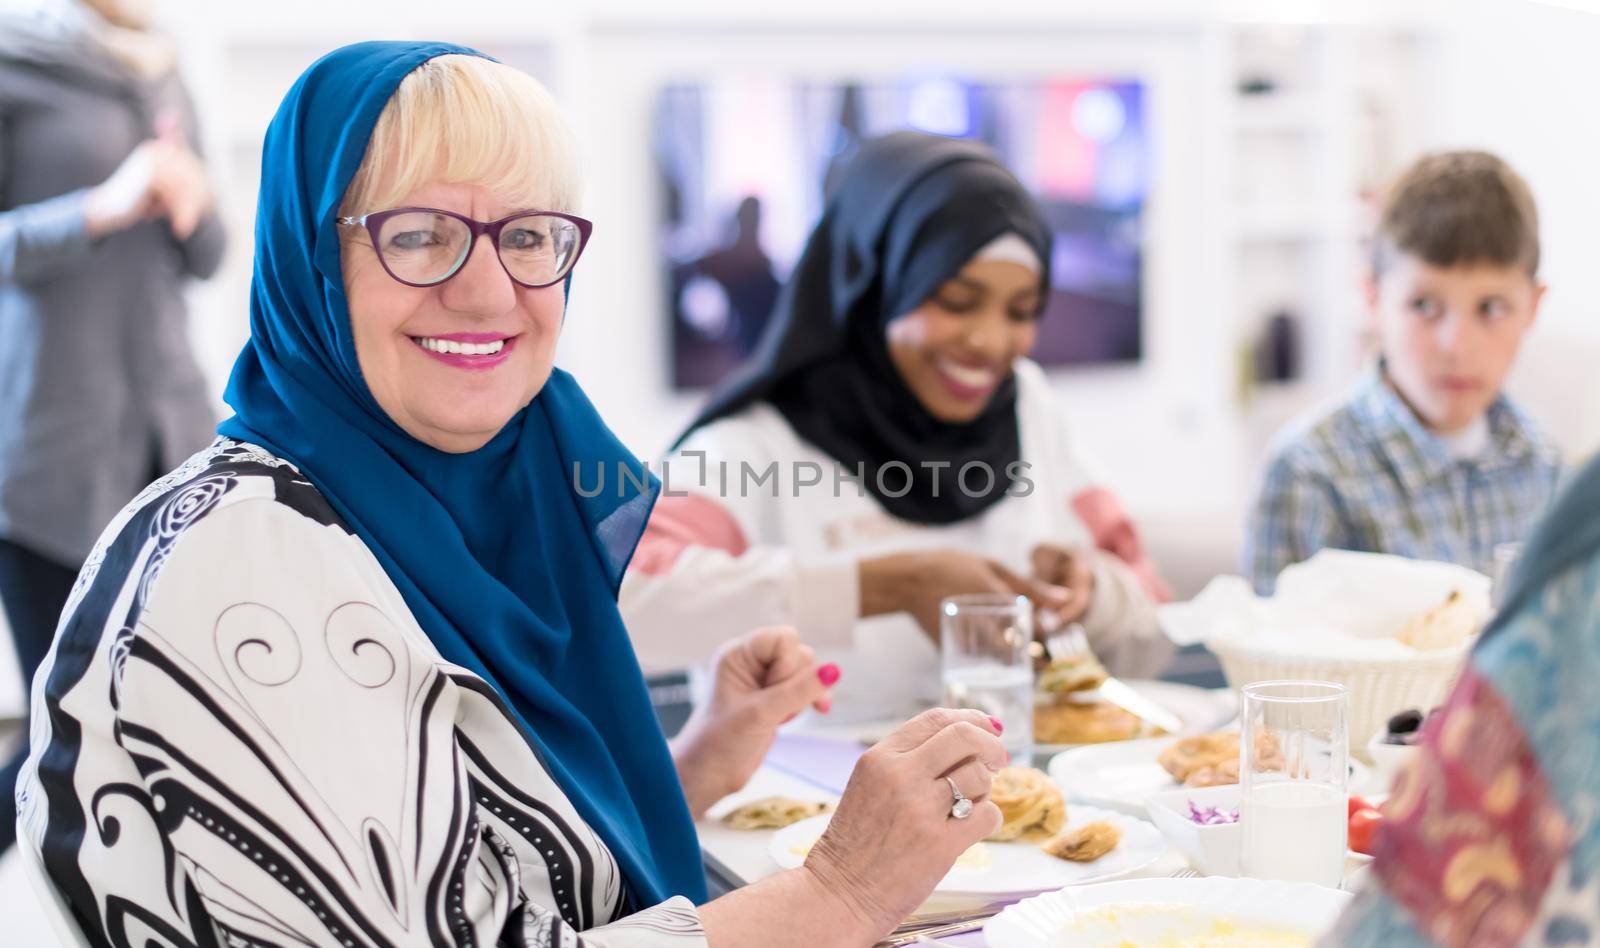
[1067, 675]
[1212, 760]
[1084, 844]
[1030, 803]
[1084, 722]
[773, 813]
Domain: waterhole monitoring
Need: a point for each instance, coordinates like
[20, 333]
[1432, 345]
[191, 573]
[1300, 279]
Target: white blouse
[242, 735]
[747, 548]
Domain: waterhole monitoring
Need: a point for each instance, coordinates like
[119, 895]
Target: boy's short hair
[1458, 208]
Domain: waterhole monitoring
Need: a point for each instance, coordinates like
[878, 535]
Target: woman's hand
[918, 582]
[161, 177]
[1068, 571]
[892, 838]
[180, 182]
[760, 680]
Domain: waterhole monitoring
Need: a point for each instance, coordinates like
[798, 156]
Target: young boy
[1426, 458]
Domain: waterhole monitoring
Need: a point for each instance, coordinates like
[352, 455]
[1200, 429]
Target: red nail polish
[828, 674]
[825, 705]
[998, 727]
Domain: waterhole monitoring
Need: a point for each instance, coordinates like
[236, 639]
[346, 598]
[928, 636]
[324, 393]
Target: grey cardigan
[98, 387]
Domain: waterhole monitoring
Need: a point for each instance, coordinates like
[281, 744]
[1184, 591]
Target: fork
[1073, 642]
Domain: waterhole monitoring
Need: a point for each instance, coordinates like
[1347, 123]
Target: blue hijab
[508, 569]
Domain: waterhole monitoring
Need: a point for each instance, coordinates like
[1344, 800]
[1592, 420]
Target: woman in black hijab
[891, 445]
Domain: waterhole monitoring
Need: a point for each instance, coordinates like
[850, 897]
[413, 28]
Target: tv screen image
[745, 165]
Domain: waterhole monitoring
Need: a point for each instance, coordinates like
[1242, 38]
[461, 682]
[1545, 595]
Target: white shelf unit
[1309, 154]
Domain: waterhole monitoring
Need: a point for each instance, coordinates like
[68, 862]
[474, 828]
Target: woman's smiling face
[409, 340]
[955, 349]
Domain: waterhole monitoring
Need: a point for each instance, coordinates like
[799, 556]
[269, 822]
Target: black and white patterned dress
[242, 737]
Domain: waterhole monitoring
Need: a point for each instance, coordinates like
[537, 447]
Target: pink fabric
[1113, 532]
[678, 523]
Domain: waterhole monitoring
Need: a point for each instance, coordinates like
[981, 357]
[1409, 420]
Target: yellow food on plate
[1085, 722]
[1084, 844]
[1030, 803]
[1175, 925]
[1212, 760]
[1444, 626]
[1067, 675]
[773, 813]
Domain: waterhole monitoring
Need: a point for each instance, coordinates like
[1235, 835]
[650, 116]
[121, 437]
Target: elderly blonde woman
[355, 674]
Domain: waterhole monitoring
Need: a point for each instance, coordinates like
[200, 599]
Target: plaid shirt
[1368, 476]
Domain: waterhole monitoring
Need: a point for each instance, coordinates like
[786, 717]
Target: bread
[1086, 843]
[1093, 722]
[1030, 803]
[772, 813]
[1212, 760]
[1446, 625]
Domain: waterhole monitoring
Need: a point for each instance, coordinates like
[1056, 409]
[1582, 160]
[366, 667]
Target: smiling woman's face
[955, 349]
[452, 400]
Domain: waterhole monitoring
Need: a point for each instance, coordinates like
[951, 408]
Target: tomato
[1357, 803]
[1364, 830]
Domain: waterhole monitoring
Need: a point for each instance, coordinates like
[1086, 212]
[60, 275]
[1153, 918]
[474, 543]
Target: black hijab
[908, 213]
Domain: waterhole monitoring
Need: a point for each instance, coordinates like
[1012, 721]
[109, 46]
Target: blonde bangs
[467, 120]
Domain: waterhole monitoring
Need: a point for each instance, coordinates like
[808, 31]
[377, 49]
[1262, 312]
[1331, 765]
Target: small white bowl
[1212, 849]
[1387, 761]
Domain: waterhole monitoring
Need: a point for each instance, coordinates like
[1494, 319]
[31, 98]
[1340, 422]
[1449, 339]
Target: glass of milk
[985, 663]
[1294, 775]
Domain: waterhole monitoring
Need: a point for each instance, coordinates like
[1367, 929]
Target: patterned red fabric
[1472, 834]
[1113, 531]
[678, 523]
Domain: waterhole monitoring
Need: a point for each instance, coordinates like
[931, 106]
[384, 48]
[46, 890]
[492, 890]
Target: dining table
[813, 761]
[809, 765]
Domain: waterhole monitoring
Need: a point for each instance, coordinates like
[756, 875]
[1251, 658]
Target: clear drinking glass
[985, 663]
[1294, 776]
[1505, 557]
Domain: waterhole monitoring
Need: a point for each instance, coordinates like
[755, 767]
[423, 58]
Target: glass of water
[1505, 559]
[1294, 778]
[985, 663]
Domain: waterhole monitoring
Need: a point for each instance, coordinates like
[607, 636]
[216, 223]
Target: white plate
[1123, 775]
[1014, 868]
[1199, 708]
[1051, 920]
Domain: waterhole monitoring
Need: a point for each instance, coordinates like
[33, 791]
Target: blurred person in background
[1490, 835]
[105, 210]
[914, 450]
[1427, 457]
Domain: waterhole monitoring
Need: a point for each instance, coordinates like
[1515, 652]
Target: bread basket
[1336, 618]
[1379, 688]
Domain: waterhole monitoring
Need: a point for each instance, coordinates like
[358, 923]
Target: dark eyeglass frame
[373, 223]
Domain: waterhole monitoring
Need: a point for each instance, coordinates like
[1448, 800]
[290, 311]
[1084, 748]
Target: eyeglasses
[424, 246]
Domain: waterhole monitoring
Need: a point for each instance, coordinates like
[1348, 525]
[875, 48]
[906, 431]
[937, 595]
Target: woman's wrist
[843, 904]
[879, 580]
[703, 782]
[796, 908]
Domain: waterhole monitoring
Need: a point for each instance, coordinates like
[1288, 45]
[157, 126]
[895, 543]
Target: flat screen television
[744, 166]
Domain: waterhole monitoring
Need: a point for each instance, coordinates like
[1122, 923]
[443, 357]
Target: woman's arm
[696, 582]
[1121, 620]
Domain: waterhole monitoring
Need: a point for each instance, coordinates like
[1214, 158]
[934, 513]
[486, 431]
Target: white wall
[1522, 78]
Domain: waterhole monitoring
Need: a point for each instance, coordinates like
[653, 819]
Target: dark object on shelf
[1278, 349]
[1257, 85]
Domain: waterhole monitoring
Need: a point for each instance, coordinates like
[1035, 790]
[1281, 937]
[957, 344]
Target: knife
[1073, 641]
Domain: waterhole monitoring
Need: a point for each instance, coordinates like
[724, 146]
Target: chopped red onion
[1211, 815]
